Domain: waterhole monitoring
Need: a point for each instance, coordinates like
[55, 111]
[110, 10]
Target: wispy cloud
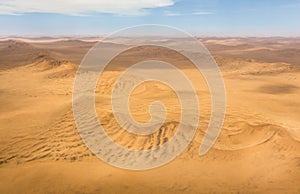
[294, 5]
[81, 7]
[168, 13]
[203, 13]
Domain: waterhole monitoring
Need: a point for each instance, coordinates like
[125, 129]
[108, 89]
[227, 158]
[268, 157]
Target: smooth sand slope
[258, 150]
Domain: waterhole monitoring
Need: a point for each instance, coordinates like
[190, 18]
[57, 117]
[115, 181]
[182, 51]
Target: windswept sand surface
[258, 150]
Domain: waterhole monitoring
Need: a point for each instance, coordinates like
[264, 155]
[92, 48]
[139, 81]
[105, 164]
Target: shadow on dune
[278, 89]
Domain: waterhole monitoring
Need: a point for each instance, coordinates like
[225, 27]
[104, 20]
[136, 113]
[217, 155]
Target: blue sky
[198, 17]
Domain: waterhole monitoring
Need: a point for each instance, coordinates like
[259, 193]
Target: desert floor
[258, 150]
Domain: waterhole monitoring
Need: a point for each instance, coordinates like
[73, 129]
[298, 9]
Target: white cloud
[81, 7]
[203, 13]
[168, 13]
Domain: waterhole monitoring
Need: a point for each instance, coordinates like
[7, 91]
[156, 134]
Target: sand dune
[258, 150]
[262, 49]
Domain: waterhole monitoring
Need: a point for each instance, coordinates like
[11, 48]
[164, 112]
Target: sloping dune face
[258, 150]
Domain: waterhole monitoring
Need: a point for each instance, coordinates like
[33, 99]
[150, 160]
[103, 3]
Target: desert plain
[258, 150]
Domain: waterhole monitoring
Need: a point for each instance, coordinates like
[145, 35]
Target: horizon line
[106, 35]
